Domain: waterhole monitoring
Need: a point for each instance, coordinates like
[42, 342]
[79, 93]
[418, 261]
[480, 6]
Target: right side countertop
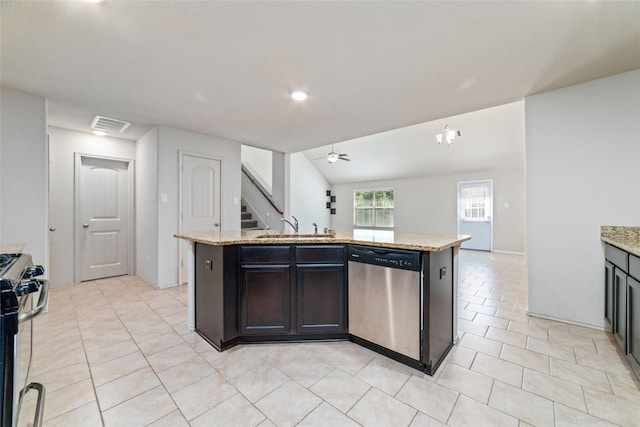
[627, 238]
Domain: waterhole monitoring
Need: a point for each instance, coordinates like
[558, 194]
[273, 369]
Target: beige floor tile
[627, 387]
[104, 354]
[68, 398]
[307, 374]
[521, 404]
[171, 357]
[327, 415]
[386, 374]
[340, 389]
[235, 362]
[424, 420]
[526, 358]
[440, 399]
[258, 382]
[86, 415]
[492, 321]
[44, 365]
[566, 392]
[185, 374]
[117, 368]
[498, 369]
[126, 387]
[482, 345]
[141, 410]
[569, 417]
[162, 342]
[173, 419]
[468, 412]
[589, 377]
[197, 398]
[584, 343]
[63, 376]
[466, 314]
[481, 308]
[529, 330]
[461, 356]
[611, 362]
[508, 337]
[472, 327]
[288, 404]
[235, 411]
[611, 408]
[377, 408]
[559, 351]
[464, 381]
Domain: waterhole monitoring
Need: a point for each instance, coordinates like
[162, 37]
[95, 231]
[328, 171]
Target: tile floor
[116, 352]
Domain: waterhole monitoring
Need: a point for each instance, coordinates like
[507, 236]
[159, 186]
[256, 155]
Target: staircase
[246, 219]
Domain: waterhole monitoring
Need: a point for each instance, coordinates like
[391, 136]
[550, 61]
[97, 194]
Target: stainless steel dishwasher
[385, 298]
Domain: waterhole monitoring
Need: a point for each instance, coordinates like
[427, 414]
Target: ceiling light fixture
[449, 135]
[99, 133]
[299, 95]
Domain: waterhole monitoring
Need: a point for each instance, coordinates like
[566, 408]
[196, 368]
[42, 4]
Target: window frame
[373, 208]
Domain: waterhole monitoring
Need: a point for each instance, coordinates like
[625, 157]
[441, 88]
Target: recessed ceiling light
[299, 95]
[99, 133]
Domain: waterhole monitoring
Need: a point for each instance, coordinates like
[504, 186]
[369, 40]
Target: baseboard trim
[508, 252]
[569, 322]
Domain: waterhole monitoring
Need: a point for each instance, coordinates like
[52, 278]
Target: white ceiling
[226, 68]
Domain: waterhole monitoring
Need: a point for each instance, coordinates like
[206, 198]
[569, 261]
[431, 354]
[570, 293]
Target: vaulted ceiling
[226, 68]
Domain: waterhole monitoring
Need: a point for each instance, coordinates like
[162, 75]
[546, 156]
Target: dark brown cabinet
[608, 296]
[265, 290]
[620, 307]
[216, 294]
[633, 332]
[320, 289]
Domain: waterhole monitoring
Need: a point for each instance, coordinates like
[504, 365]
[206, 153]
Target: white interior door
[475, 214]
[201, 189]
[102, 227]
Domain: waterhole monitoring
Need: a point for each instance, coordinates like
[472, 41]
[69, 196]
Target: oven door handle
[42, 302]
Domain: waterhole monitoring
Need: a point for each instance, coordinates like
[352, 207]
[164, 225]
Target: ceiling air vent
[107, 124]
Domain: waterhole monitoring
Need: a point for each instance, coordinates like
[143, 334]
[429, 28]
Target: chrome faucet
[315, 228]
[294, 225]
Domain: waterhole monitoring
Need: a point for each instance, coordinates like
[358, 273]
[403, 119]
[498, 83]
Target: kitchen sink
[297, 236]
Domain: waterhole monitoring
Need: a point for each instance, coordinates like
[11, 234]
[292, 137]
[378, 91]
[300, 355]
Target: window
[475, 203]
[373, 208]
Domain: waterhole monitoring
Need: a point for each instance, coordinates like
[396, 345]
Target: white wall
[308, 194]
[583, 171]
[429, 205]
[63, 144]
[146, 245]
[260, 163]
[170, 142]
[23, 172]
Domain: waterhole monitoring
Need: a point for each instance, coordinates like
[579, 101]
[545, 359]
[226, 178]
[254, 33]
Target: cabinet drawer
[266, 254]
[320, 254]
[617, 256]
[634, 266]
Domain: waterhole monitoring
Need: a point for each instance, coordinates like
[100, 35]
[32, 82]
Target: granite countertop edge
[408, 241]
[625, 238]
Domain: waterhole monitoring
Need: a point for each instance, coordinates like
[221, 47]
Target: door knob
[52, 229]
[217, 224]
[85, 225]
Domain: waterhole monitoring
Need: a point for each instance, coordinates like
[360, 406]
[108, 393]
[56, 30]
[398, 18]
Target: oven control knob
[27, 287]
[33, 271]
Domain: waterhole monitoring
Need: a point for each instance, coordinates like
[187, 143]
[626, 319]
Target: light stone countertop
[379, 238]
[12, 248]
[626, 238]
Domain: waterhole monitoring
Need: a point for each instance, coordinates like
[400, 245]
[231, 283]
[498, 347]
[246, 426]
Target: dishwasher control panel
[392, 258]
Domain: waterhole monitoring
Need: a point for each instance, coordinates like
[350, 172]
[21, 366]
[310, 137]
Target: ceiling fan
[333, 157]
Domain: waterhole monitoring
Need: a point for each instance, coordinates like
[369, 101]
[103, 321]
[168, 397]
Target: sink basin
[297, 236]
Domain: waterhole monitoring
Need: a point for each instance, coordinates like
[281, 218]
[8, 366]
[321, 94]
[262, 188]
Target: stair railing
[261, 189]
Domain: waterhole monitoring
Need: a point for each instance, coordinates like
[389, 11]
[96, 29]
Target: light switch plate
[164, 198]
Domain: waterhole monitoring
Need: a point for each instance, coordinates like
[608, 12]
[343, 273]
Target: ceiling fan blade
[318, 158]
[344, 158]
[344, 154]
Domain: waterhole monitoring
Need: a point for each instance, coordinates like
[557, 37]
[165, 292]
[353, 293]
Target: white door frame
[181, 153]
[76, 203]
[459, 197]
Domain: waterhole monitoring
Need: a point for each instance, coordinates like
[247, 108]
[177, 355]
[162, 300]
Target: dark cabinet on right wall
[622, 301]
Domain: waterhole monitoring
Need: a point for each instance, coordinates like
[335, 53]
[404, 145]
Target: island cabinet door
[608, 295]
[320, 298]
[634, 322]
[265, 299]
[620, 307]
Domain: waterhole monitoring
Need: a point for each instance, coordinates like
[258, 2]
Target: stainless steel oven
[22, 297]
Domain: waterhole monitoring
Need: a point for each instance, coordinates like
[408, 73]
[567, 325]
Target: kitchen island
[250, 286]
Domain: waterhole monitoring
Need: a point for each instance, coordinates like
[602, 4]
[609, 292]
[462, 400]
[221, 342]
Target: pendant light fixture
[449, 135]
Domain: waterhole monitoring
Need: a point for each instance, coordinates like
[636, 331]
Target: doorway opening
[475, 214]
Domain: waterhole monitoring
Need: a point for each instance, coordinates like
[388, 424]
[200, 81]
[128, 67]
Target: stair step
[246, 215]
[243, 208]
[248, 223]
